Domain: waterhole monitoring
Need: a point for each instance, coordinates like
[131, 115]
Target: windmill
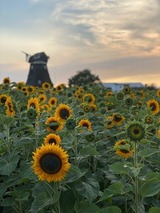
[38, 72]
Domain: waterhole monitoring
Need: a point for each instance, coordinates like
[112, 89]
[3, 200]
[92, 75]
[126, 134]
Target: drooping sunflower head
[117, 118]
[53, 124]
[109, 122]
[70, 123]
[85, 123]
[52, 139]
[123, 149]
[3, 98]
[10, 111]
[158, 92]
[136, 131]
[6, 80]
[154, 106]
[63, 112]
[50, 163]
[89, 98]
[33, 102]
[42, 98]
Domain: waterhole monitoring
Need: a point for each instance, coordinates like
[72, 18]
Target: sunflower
[120, 95]
[109, 122]
[33, 102]
[154, 106]
[52, 139]
[6, 80]
[42, 98]
[149, 119]
[3, 98]
[89, 98]
[30, 89]
[136, 131]
[63, 112]
[9, 102]
[53, 124]
[60, 87]
[46, 85]
[70, 124]
[126, 90]
[45, 108]
[158, 92]
[50, 163]
[52, 101]
[24, 89]
[109, 94]
[123, 149]
[85, 123]
[10, 111]
[117, 119]
[20, 85]
[129, 101]
[158, 133]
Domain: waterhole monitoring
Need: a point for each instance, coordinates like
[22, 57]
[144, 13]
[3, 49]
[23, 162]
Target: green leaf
[118, 168]
[86, 207]
[150, 188]
[7, 167]
[88, 151]
[154, 210]
[113, 190]
[148, 152]
[74, 174]
[43, 196]
[111, 209]
[88, 189]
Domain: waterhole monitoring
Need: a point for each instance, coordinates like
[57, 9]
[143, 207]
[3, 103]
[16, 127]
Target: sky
[118, 40]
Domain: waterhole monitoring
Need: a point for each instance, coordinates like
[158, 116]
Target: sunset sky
[118, 40]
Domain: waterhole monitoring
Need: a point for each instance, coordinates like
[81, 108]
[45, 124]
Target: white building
[115, 87]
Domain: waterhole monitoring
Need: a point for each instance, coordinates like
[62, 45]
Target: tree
[82, 78]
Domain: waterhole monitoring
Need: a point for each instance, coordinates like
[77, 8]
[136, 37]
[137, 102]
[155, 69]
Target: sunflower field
[79, 149]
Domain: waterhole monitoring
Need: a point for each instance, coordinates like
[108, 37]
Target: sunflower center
[54, 126]
[52, 140]
[50, 163]
[153, 107]
[64, 113]
[124, 151]
[136, 131]
[117, 118]
[85, 125]
[3, 99]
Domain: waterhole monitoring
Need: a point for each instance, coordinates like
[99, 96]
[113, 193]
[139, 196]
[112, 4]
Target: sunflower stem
[136, 178]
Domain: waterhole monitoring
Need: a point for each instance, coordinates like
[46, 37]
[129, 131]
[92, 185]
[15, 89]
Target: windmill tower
[38, 73]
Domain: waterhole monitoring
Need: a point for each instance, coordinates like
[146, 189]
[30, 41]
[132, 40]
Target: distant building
[115, 87]
[38, 73]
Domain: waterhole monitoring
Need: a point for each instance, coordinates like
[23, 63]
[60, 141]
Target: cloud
[131, 27]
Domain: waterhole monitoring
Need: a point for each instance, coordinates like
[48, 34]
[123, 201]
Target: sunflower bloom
[52, 139]
[52, 102]
[53, 124]
[46, 85]
[50, 163]
[85, 123]
[136, 131]
[154, 106]
[63, 112]
[117, 119]
[33, 102]
[6, 80]
[123, 149]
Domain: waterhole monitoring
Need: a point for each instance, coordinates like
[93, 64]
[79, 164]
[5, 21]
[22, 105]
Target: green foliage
[102, 178]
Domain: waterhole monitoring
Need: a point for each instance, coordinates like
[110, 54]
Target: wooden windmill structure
[38, 72]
